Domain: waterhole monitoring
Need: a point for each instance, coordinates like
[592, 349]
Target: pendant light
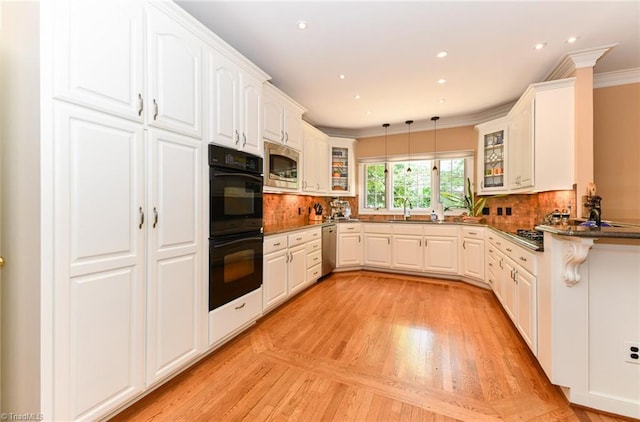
[435, 145]
[386, 127]
[408, 123]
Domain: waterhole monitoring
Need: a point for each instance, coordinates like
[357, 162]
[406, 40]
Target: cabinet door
[274, 285]
[322, 164]
[224, 81]
[99, 61]
[473, 258]
[297, 268]
[175, 75]
[99, 242]
[349, 249]
[377, 250]
[527, 305]
[293, 127]
[250, 100]
[520, 150]
[175, 250]
[407, 252]
[272, 118]
[441, 254]
[510, 291]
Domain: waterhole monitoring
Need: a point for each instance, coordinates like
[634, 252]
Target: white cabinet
[281, 118]
[541, 138]
[175, 75]
[174, 271]
[349, 247]
[492, 156]
[292, 262]
[274, 280]
[407, 252]
[235, 103]
[472, 252]
[98, 70]
[441, 249]
[342, 156]
[377, 245]
[315, 161]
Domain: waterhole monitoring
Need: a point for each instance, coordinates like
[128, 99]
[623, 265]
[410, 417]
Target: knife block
[315, 217]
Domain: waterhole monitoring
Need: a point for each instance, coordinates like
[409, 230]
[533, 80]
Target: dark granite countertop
[626, 232]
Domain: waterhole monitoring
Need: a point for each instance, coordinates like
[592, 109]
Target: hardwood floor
[364, 346]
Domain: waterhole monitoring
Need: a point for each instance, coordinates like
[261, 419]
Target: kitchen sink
[411, 221]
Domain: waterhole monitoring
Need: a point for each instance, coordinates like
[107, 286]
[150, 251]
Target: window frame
[469, 167]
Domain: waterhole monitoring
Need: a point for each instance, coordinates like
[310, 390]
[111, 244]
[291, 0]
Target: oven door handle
[233, 242]
[217, 173]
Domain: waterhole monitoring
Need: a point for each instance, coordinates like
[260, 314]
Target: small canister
[555, 217]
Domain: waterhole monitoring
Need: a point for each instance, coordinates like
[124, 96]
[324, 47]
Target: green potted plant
[474, 206]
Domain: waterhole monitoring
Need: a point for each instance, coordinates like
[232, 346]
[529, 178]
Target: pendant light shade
[386, 127]
[435, 144]
[408, 123]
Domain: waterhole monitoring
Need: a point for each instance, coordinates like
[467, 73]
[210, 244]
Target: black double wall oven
[235, 234]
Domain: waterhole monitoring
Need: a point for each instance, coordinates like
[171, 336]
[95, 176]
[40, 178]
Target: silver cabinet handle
[244, 140]
[490, 264]
[286, 137]
[359, 239]
[522, 258]
[140, 104]
[237, 136]
[155, 109]
[282, 136]
[388, 241]
[141, 217]
[241, 306]
[509, 250]
[464, 244]
[155, 217]
[276, 244]
[298, 238]
[318, 186]
[473, 233]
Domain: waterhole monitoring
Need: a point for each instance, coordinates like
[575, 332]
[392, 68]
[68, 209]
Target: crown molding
[577, 60]
[618, 77]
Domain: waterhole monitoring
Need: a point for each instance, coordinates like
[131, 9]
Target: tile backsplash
[290, 210]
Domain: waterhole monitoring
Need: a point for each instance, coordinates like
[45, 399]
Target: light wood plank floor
[365, 346]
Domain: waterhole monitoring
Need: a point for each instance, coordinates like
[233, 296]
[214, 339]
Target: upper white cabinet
[100, 63]
[281, 118]
[235, 103]
[541, 138]
[175, 75]
[343, 167]
[492, 156]
[99, 60]
[315, 160]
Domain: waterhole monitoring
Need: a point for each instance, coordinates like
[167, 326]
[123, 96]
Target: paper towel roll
[440, 211]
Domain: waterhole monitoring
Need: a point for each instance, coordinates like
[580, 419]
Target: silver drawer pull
[276, 244]
[523, 259]
[473, 233]
[509, 250]
[298, 238]
[241, 306]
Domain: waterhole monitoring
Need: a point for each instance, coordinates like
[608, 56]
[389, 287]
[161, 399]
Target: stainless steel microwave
[281, 166]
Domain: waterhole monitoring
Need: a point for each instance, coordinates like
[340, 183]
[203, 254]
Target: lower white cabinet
[472, 252]
[407, 252]
[292, 262]
[441, 249]
[349, 247]
[377, 245]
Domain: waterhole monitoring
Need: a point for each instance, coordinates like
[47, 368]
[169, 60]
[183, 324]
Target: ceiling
[387, 52]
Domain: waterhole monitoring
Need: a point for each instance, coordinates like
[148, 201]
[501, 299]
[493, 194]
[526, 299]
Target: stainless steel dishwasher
[328, 248]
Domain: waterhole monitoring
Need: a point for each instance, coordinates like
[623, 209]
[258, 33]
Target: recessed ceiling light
[540, 45]
[442, 101]
[342, 76]
[357, 96]
[301, 25]
[441, 54]
[442, 81]
[571, 40]
[369, 113]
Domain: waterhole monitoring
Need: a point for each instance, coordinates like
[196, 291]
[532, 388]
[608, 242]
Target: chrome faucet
[406, 213]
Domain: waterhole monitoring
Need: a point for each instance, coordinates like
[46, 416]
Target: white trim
[577, 60]
[616, 78]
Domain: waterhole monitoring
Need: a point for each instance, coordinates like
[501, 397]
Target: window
[386, 192]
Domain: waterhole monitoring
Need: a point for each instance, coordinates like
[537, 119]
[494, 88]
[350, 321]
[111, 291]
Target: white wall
[20, 190]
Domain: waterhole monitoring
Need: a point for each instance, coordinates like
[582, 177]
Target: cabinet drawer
[297, 238]
[377, 228]
[314, 259]
[313, 246]
[349, 227]
[314, 234]
[433, 230]
[274, 243]
[232, 316]
[526, 259]
[314, 272]
[473, 232]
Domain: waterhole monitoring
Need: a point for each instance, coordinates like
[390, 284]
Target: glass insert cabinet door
[340, 171]
[493, 163]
